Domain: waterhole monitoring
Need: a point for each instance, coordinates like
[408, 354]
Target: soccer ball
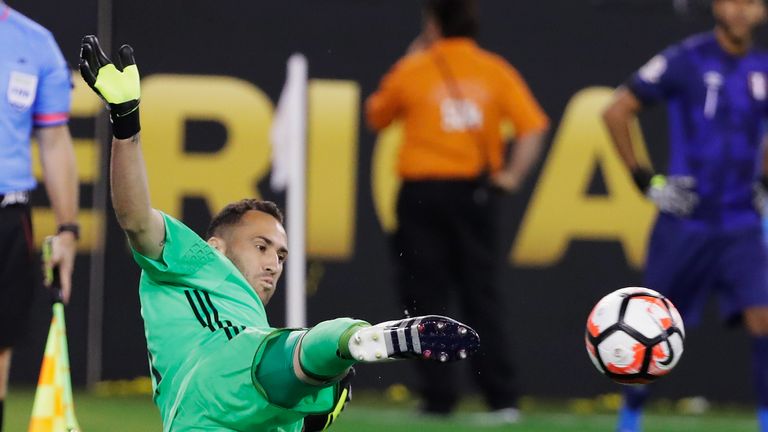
[634, 335]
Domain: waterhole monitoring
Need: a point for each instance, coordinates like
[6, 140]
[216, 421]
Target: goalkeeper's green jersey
[206, 329]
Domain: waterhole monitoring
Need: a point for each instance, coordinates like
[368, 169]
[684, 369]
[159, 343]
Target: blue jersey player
[708, 237]
[35, 88]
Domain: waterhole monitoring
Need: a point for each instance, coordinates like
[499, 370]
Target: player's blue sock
[629, 420]
[630, 414]
[762, 418]
[760, 371]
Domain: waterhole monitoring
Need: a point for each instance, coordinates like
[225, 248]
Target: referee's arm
[57, 157]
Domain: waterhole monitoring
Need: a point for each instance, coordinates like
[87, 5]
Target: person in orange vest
[452, 97]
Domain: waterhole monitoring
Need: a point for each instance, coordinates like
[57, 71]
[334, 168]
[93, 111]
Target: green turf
[372, 420]
[95, 413]
[373, 414]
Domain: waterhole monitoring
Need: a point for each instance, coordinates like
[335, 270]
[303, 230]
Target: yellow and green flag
[53, 410]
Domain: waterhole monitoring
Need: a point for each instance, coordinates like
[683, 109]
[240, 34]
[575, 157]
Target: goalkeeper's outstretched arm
[120, 89]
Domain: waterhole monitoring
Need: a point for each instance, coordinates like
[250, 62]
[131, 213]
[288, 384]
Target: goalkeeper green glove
[119, 88]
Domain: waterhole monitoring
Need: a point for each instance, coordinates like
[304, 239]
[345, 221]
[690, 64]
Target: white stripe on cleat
[429, 337]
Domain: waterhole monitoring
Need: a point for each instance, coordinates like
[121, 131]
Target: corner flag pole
[289, 144]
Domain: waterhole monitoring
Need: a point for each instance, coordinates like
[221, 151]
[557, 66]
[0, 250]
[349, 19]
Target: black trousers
[447, 254]
[17, 273]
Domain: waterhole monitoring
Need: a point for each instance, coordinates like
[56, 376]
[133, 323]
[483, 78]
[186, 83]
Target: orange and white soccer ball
[634, 335]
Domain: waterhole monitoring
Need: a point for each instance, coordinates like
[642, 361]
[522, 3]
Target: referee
[35, 88]
[451, 96]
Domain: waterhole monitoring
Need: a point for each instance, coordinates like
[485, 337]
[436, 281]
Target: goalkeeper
[216, 363]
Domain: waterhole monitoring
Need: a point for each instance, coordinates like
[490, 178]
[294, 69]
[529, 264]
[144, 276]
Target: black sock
[1, 413]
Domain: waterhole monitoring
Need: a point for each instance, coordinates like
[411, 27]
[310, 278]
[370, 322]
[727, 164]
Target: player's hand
[506, 181]
[674, 195]
[62, 257]
[760, 196]
[321, 422]
[118, 87]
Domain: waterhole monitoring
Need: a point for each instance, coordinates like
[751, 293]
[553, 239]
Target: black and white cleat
[430, 337]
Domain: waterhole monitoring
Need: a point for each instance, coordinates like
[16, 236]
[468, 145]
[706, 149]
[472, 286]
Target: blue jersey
[35, 91]
[717, 104]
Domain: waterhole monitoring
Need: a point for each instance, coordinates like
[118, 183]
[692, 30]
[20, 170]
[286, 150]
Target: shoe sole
[431, 337]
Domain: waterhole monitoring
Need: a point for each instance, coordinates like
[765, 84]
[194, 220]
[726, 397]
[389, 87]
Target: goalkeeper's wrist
[125, 119]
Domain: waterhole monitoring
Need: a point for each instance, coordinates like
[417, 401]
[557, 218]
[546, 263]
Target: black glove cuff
[642, 178]
[126, 125]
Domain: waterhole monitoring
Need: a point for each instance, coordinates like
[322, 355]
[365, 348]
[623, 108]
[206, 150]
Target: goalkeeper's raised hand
[118, 86]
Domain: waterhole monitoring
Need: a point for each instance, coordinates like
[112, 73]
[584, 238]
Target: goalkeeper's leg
[295, 364]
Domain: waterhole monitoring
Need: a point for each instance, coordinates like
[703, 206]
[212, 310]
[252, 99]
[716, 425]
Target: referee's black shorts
[17, 272]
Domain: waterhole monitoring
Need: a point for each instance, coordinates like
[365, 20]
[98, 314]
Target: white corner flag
[289, 148]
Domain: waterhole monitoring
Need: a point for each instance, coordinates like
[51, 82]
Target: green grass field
[374, 414]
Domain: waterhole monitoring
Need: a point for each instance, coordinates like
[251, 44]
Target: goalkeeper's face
[256, 245]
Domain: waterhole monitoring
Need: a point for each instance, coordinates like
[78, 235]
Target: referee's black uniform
[17, 269]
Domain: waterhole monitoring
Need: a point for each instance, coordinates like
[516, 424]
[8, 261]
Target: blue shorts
[687, 263]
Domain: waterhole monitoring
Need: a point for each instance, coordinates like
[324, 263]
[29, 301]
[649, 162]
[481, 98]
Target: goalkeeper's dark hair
[232, 213]
[456, 18]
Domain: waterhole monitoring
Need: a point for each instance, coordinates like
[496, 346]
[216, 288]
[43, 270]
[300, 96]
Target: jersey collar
[725, 53]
